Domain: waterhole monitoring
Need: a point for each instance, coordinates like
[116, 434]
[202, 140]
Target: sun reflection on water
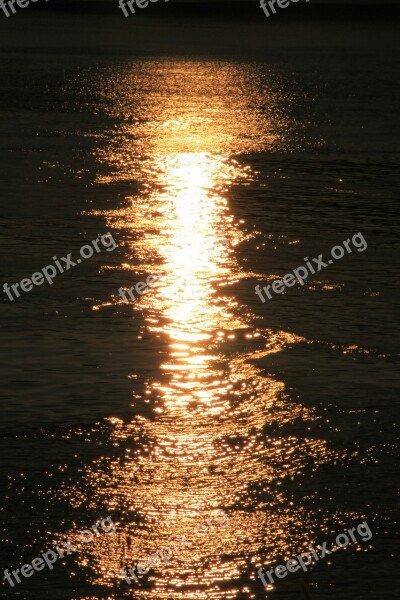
[211, 443]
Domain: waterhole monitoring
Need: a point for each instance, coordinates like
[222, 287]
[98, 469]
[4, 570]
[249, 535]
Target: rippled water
[217, 173]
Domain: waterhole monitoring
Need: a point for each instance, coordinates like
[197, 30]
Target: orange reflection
[210, 444]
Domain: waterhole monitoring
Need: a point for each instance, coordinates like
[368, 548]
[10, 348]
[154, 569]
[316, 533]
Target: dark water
[220, 154]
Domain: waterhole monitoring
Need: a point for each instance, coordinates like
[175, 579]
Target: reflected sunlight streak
[208, 443]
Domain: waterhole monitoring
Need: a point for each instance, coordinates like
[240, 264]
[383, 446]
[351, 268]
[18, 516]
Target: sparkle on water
[213, 441]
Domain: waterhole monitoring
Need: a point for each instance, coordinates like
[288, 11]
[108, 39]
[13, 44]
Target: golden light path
[212, 443]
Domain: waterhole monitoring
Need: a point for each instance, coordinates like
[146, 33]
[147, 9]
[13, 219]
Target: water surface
[218, 173]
